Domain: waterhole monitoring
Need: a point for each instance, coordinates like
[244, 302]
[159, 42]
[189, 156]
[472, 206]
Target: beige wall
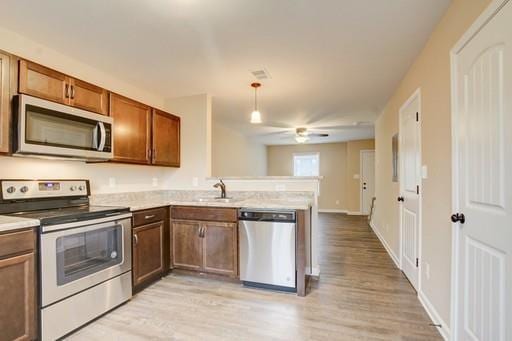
[353, 168]
[338, 163]
[431, 73]
[236, 155]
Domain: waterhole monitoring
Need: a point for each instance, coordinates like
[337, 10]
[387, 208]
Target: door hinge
[417, 262]
[417, 189]
[417, 117]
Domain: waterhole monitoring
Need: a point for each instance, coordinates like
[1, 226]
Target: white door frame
[416, 94]
[361, 176]
[491, 10]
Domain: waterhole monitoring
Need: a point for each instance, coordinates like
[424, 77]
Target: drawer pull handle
[149, 216]
[136, 239]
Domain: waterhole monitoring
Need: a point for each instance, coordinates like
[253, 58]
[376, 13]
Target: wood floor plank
[360, 296]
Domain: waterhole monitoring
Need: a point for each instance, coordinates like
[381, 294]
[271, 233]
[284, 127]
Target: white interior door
[410, 180]
[367, 180]
[483, 180]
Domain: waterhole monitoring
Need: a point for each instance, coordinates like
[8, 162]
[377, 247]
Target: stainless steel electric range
[84, 251]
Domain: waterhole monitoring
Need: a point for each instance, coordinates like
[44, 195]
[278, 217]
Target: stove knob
[24, 189]
[81, 188]
[11, 189]
[72, 188]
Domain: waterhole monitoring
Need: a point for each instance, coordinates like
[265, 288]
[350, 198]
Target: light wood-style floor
[360, 296]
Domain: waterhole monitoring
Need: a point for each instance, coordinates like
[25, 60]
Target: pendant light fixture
[255, 115]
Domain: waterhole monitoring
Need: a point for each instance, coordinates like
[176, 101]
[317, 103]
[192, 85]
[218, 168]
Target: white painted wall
[236, 155]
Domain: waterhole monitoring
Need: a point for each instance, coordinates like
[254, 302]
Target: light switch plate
[154, 182]
[195, 182]
[112, 182]
[424, 171]
[356, 176]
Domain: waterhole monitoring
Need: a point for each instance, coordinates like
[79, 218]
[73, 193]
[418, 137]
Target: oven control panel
[29, 189]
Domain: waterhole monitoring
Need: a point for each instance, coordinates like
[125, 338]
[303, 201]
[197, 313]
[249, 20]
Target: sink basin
[216, 199]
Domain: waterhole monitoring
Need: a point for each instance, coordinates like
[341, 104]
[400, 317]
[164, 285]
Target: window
[306, 164]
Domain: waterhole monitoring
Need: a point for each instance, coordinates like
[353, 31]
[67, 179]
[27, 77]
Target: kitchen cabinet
[5, 112]
[203, 242]
[166, 139]
[220, 248]
[132, 130]
[150, 259]
[187, 245]
[39, 81]
[18, 286]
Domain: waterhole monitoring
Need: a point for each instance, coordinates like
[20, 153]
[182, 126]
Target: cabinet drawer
[204, 213]
[149, 216]
[17, 242]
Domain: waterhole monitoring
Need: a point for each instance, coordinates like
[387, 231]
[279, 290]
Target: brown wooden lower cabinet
[148, 258]
[18, 286]
[210, 247]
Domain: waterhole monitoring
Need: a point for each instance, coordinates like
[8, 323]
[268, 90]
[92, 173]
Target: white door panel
[483, 112]
[367, 180]
[410, 180]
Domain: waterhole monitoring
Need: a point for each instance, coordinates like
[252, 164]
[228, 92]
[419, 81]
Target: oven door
[48, 128]
[76, 259]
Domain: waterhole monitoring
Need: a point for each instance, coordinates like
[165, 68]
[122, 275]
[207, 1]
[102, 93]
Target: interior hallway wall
[236, 155]
[431, 73]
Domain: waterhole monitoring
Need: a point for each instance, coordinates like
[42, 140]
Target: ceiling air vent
[261, 74]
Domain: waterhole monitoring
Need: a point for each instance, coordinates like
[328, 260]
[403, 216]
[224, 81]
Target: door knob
[458, 217]
[400, 199]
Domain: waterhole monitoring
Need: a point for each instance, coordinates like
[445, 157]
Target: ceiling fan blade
[319, 135]
[343, 126]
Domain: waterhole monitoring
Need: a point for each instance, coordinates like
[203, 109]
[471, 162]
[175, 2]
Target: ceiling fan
[302, 135]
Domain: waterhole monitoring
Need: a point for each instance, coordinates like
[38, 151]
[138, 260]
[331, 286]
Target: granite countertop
[262, 200]
[8, 223]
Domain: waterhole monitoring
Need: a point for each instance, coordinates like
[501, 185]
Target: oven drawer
[204, 213]
[149, 216]
[17, 242]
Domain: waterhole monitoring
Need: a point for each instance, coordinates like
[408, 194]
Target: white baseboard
[315, 271]
[354, 213]
[331, 210]
[386, 246]
[444, 330]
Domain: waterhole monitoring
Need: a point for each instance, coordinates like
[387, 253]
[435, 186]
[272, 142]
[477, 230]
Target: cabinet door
[17, 292]
[88, 97]
[4, 103]
[132, 135]
[166, 139]
[38, 81]
[220, 248]
[187, 244]
[148, 253]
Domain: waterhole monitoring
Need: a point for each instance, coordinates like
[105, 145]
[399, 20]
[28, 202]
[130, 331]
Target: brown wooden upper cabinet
[166, 139]
[132, 130]
[144, 135]
[42, 82]
[4, 103]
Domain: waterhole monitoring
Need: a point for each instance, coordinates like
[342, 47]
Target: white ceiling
[332, 62]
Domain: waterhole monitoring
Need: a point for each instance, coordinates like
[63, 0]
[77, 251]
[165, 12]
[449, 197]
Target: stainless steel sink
[216, 199]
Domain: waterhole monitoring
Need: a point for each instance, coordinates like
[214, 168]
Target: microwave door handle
[103, 136]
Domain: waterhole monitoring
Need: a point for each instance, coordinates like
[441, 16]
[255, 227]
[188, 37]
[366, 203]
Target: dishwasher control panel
[267, 215]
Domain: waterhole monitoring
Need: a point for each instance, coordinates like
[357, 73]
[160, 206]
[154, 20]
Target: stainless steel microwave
[44, 128]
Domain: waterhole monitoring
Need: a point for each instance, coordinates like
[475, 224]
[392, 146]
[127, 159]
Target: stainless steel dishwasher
[267, 249]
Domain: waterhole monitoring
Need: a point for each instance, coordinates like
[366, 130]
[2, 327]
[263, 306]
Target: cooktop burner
[52, 201]
[71, 214]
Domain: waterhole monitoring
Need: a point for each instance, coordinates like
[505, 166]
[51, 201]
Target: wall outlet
[111, 182]
[195, 182]
[337, 202]
[280, 187]
[427, 270]
[356, 176]
[424, 172]
[154, 182]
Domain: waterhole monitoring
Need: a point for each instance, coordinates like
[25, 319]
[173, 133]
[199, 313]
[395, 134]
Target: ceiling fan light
[255, 117]
[301, 139]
